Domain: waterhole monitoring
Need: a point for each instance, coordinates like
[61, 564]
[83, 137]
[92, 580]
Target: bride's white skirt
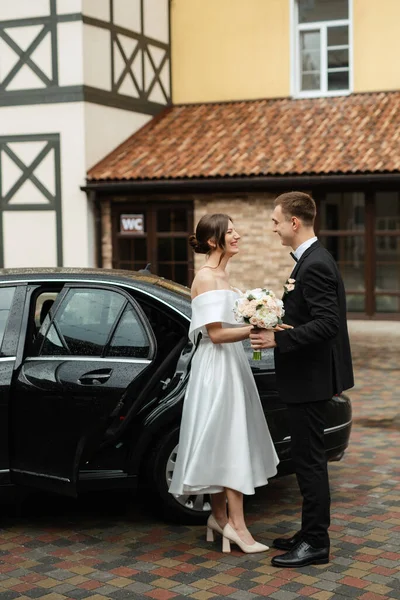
[224, 438]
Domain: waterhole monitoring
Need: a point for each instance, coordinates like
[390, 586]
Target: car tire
[189, 510]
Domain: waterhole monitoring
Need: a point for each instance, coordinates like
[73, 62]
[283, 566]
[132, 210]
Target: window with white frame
[322, 47]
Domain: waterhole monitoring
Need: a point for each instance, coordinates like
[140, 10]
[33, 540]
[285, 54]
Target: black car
[94, 365]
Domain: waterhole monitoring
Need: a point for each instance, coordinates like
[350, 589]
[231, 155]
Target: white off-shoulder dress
[224, 437]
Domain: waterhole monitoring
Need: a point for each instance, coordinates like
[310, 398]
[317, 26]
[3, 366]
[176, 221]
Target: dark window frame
[152, 234]
[370, 235]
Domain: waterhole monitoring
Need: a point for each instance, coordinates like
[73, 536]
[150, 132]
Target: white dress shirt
[303, 247]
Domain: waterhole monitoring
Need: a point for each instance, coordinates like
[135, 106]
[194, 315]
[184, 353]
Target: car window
[130, 338]
[6, 298]
[83, 322]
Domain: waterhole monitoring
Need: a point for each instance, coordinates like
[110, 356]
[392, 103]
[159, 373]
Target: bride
[225, 448]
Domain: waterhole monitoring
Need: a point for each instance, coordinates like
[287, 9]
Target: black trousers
[307, 422]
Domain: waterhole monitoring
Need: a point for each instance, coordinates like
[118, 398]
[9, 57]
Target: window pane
[310, 82]
[388, 275]
[387, 272]
[139, 248]
[310, 40]
[165, 271]
[181, 274]
[343, 211]
[180, 220]
[338, 80]
[310, 61]
[322, 10]
[85, 320]
[387, 304]
[355, 302]
[349, 253]
[338, 59]
[164, 249]
[6, 298]
[172, 220]
[338, 36]
[180, 249]
[164, 220]
[130, 338]
[388, 211]
[125, 250]
[52, 345]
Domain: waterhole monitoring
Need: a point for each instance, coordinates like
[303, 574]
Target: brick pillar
[106, 234]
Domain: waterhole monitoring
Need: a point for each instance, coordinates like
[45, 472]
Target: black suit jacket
[313, 360]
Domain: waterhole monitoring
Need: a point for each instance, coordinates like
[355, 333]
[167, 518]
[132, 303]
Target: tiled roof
[359, 133]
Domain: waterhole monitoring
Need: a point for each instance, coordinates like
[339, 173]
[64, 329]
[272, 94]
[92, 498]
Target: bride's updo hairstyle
[210, 227]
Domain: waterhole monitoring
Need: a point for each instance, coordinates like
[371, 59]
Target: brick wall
[106, 234]
[262, 261]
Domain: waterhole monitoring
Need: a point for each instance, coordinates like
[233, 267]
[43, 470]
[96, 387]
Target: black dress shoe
[302, 555]
[287, 543]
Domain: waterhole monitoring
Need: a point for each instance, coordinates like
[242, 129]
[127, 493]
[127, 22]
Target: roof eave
[239, 183]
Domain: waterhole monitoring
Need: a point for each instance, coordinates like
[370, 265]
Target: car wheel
[190, 509]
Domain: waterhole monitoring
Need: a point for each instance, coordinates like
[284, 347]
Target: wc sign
[132, 224]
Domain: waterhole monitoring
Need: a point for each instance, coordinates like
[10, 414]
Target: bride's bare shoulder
[204, 281]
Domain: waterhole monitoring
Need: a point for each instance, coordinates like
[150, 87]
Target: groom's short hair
[297, 204]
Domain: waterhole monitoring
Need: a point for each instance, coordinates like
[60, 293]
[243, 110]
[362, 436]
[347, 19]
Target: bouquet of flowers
[261, 308]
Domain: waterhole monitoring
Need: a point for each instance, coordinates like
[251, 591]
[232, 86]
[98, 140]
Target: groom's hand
[262, 338]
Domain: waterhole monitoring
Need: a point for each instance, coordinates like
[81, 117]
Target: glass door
[362, 232]
[387, 252]
[172, 244]
[342, 232]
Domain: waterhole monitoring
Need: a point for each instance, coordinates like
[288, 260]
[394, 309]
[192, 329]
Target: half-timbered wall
[77, 77]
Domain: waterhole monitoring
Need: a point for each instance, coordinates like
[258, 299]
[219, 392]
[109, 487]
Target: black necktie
[294, 256]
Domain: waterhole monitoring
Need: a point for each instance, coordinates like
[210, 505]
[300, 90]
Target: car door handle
[95, 377]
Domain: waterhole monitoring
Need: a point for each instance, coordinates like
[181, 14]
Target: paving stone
[326, 585]
[60, 551]
[78, 594]
[375, 578]
[184, 590]
[140, 588]
[241, 595]
[283, 595]
[9, 595]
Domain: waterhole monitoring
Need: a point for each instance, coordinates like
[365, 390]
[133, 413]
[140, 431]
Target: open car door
[94, 343]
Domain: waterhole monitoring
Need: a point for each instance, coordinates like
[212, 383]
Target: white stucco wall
[106, 128]
[22, 9]
[29, 239]
[87, 131]
[68, 121]
[156, 22]
[97, 57]
[70, 52]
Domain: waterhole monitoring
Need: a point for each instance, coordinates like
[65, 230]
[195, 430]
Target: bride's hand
[282, 327]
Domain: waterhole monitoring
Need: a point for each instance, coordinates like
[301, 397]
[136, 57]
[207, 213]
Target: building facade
[328, 125]
[76, 78]
[266, 96]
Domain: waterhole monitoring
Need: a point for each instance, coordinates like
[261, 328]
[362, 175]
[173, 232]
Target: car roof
[164, 289]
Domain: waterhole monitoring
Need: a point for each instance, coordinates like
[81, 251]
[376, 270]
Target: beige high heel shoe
[212, 526]
[229, 535]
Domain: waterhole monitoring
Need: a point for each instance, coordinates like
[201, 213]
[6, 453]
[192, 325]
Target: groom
[313, 363]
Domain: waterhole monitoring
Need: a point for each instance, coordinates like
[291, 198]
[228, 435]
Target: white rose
[257, 293]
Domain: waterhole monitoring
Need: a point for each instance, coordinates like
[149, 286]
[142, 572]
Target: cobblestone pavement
[65, 549]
